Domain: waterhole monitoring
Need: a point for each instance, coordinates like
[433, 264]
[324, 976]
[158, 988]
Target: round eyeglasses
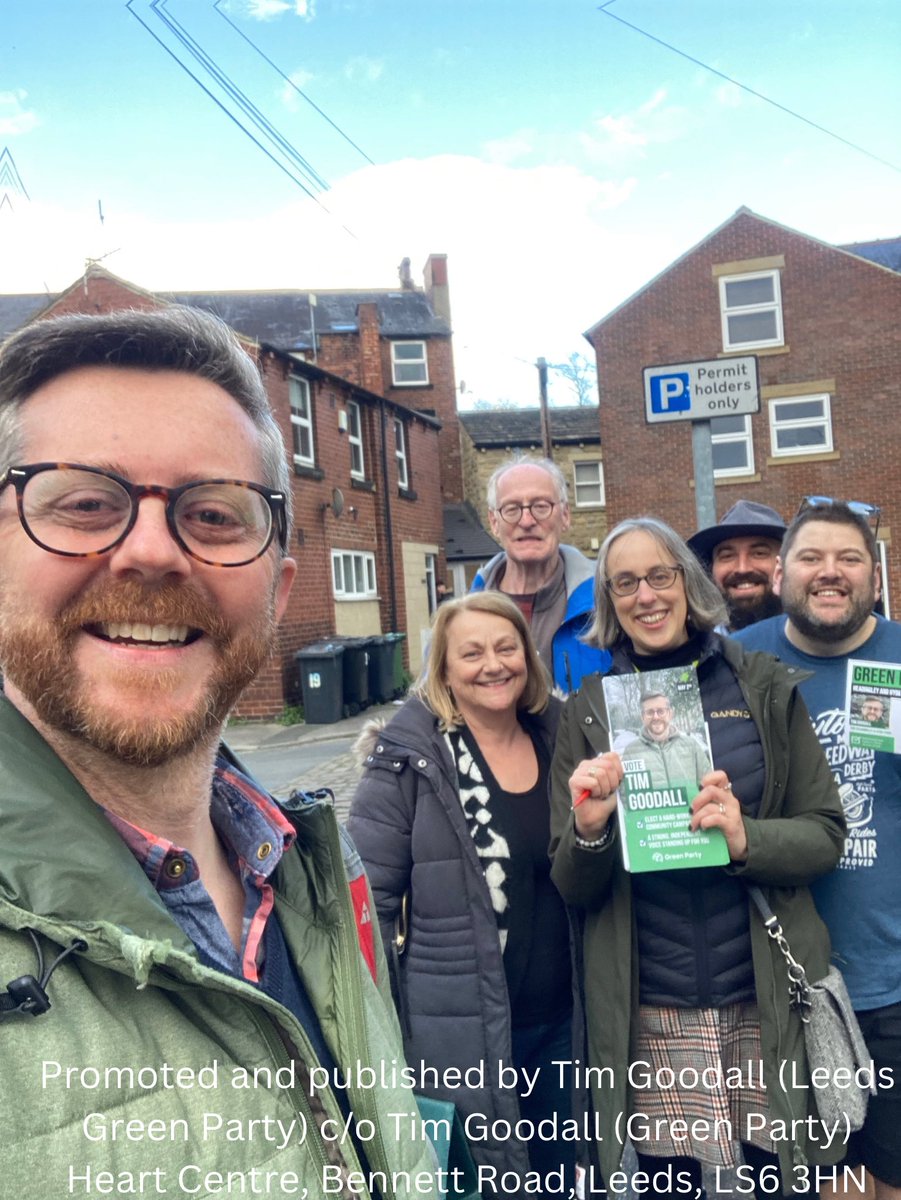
[539, 509]
[82, 512]
[627, 584]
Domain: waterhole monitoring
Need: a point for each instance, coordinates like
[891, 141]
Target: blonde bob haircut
[431, 686]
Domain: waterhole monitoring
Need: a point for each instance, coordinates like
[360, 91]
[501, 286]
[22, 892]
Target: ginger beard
[38, 657]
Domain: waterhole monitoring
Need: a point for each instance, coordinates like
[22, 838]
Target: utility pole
[541, 364]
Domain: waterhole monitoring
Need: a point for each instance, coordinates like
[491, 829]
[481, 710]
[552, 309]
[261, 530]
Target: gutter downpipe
[389, 536]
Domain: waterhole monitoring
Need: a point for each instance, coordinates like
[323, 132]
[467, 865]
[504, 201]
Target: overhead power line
[287, 78]
[284, 154]
[751, 91]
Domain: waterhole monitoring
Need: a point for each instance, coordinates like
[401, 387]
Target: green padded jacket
[152, 1074]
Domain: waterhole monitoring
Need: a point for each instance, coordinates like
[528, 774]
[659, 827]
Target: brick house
[355, 381]
[488, 438]
[825, 324]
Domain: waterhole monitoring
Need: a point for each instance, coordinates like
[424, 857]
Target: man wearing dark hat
[740, 554]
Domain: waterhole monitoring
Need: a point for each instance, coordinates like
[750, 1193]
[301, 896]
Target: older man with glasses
[188, 962]
[550, 582]
[828, 576]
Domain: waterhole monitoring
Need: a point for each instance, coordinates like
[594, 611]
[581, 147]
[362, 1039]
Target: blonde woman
[452, 811]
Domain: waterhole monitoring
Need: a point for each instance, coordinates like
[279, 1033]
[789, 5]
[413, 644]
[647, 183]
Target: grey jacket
[408, 824]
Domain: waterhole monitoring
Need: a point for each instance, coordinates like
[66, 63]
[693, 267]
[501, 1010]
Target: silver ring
[727, 786]
[722, 808]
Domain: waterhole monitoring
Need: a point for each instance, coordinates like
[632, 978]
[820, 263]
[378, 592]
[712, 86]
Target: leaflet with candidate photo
[873, 706]
[658, 729]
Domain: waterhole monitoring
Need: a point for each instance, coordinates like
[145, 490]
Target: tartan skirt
[697, 1076]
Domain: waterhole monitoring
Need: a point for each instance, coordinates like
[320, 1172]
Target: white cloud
[299, 80]
[526, 253]
[628, 137]
[536, 255]
[364, 69]
[510, 149]
[14, 118]
[266, 10]
[729, 95]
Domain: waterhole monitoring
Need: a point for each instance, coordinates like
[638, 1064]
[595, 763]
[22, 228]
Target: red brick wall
[365, 359]
[438, 399]
[842, 321]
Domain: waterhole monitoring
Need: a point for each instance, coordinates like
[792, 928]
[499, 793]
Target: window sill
[407, 494]
[762, 350]
[786, 460]
[362, 485]
[305, 472]
[725, 480]
[417, 384]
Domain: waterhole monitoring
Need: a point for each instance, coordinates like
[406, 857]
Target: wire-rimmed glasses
[627, 584]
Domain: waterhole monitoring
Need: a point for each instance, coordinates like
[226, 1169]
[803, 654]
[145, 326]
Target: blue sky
[559, 157]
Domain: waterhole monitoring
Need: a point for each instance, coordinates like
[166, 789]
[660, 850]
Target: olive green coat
[797, 836]
[139, 997]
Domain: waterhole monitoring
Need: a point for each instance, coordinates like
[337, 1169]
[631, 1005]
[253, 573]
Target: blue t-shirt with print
[861, 900]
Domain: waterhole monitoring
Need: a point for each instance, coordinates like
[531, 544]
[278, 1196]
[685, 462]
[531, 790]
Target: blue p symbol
[670, 393]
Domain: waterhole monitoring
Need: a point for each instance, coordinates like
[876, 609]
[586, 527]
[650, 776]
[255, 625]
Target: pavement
[254, 741]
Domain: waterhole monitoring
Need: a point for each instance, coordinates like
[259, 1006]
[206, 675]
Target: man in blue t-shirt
[828, 576]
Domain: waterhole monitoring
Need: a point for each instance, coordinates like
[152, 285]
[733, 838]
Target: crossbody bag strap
[798, 986]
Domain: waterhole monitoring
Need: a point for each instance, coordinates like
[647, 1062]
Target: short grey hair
[706, 607]
[525, 460]
[174, 338]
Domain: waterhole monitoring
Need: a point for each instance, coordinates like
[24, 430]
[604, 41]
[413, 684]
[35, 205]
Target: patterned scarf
[491, 846]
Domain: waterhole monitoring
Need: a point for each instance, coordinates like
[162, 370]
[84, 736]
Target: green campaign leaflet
[658, 729]
[873, 705]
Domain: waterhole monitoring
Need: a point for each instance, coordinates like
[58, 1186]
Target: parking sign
[699, 391]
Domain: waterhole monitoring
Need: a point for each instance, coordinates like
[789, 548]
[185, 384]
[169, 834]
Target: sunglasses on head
[870, 512]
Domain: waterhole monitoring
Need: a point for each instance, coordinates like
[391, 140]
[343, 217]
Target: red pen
[583, 795]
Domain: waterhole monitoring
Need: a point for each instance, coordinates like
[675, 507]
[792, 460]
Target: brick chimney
[434, 276]
[370, 348]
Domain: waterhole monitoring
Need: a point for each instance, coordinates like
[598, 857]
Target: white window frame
[353, 575]
[883, 562]
[300, 397]
[728, 310]
[746, 436]
[400, 453]
[355, 440]
[431, 581]
[398, 364]
[597, 482]
[813, 422]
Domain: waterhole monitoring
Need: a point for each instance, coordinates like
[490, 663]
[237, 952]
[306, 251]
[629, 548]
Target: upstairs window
[733, 448]
[409, 364]
[301, 422]
[588, 484]
[800, 425]
[355, 440]
[400, 452]
[751, 310]
[353, 575]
